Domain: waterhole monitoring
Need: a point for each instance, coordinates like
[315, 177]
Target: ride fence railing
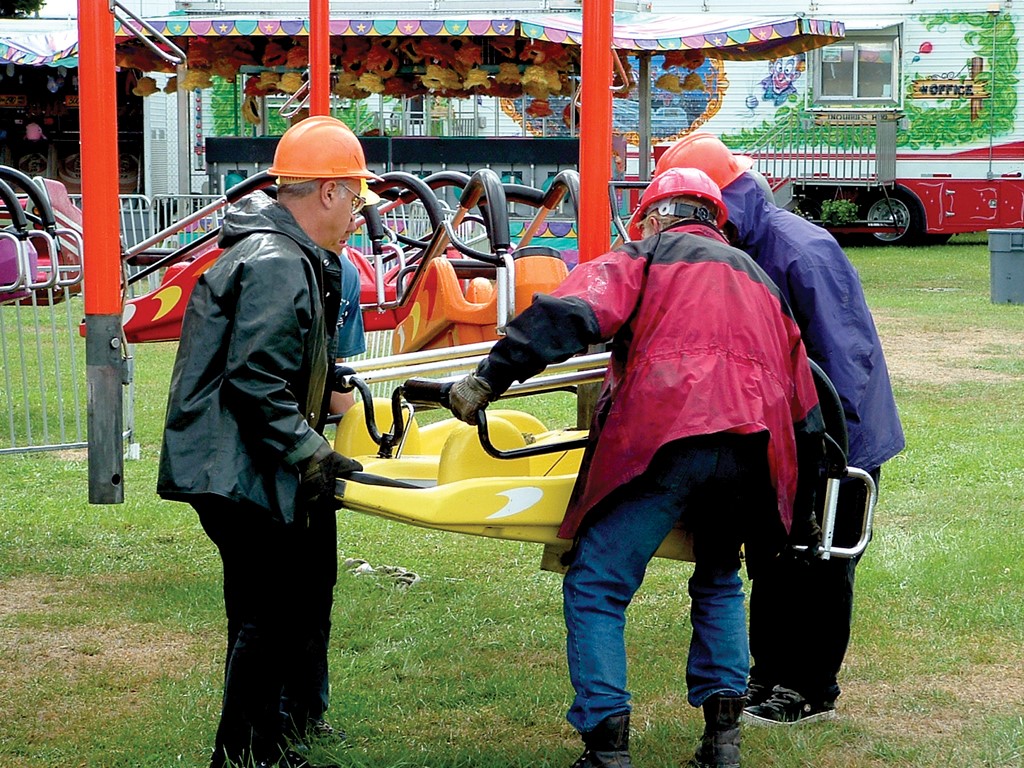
[43, 387]
[142, 216]
[830, 147]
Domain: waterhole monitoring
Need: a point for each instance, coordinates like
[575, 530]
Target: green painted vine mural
[994, 39]
[948, 122]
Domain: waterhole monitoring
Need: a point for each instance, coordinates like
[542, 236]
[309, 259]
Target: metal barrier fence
[141, 217]
[42, 387]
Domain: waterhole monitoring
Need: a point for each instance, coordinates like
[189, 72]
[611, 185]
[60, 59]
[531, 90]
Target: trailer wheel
[901, 209]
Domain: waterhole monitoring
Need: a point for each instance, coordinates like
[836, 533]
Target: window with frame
[862, 70]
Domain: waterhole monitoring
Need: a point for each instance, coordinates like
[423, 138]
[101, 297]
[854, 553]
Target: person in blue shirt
[798, 645]
[351, 336]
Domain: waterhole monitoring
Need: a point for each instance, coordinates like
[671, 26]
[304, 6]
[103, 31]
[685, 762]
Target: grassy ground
[111, 626]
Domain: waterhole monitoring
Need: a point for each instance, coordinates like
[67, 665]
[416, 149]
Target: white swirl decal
[519, 500]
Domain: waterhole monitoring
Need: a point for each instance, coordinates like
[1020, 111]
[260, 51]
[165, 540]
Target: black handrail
[34, 193]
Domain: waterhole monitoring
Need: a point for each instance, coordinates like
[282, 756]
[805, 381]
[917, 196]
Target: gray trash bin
[1006, 264]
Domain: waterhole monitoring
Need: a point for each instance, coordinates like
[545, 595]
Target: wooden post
[977, 67]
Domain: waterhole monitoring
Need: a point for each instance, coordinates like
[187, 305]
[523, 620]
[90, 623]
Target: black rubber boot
[607, 746]
[720, 744]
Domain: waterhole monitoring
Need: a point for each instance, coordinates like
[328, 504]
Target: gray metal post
[104, 378]
[184, 136]
[644, 96]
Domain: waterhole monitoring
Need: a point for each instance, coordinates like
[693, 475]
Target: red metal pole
[105, 365]
[595, 218]
[319, 57]
[97, 85]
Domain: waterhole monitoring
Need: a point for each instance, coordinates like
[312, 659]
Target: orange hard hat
[679, 182]
[705, 152]
[320, 147]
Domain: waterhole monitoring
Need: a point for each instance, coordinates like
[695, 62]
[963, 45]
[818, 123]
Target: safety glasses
[358, 202]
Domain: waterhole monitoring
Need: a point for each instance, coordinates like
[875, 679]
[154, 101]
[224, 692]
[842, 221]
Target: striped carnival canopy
[727, 37]
[24, 44]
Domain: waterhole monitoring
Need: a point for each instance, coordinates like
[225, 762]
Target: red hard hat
[679, 182]
[709, 154]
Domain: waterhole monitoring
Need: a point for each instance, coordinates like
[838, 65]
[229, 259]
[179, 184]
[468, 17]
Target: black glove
[316, 486]
[810, 450]
[807, 532]
[469, 396]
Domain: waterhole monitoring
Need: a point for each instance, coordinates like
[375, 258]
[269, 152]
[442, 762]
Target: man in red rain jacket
[707, 411]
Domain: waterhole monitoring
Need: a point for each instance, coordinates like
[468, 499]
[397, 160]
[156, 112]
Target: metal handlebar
[34, 193]
[236, 193]
[50, 245]
[177, 57]
[19, 221]
[22, 265]
[74, 270]
[296, 101]
[486, 192]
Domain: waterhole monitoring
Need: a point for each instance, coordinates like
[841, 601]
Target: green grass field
[111, 625]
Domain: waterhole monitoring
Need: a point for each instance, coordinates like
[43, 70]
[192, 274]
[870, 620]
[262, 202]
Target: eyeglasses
[358, 203]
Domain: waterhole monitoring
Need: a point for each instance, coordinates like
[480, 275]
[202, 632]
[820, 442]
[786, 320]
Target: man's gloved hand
[805, 531]
[810, 451]
[469, 396]
[316, 486]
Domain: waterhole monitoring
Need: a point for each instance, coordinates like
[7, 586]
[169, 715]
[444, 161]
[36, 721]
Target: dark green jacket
[248, 385]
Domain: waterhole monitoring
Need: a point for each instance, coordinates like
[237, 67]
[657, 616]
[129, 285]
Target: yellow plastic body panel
[521, 499]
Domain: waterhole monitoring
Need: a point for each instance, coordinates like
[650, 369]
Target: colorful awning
[731, 37]
[180, 26]
[739, 38]
[27, 46]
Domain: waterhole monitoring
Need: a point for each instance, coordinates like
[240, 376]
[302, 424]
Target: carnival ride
[423, 273]
[444, 280]
[40, 260]
[511, 477]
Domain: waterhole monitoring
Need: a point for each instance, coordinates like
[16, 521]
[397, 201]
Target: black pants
[801, 612]
[278, 592]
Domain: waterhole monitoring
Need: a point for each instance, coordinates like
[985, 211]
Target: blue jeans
[709, 484]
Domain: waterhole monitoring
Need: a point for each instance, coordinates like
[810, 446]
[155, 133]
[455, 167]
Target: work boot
[607, 746]
[720, 744]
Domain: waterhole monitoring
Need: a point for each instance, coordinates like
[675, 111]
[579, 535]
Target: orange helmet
[679, 182]
[709, 154]
[320, 147]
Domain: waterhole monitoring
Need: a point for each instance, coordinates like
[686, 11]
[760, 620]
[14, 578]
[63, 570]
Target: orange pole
[97, 85]
[105, 366]
[319, 57]
[595, 217]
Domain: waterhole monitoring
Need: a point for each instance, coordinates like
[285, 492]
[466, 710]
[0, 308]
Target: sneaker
[322, 729]
[757, 692]
[787, 707]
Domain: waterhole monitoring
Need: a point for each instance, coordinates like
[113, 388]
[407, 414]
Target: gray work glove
[469, 396]
[316, 486]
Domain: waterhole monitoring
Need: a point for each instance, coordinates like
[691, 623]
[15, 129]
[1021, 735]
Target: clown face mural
[782, 76]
